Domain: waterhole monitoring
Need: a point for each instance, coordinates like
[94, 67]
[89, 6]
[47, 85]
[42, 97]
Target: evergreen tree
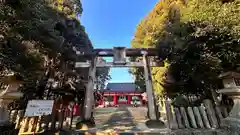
[198, 39]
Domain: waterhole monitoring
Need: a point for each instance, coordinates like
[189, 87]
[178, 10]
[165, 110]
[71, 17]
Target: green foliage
[147, 35]
[37, 39]
[205, 52]
[102, 76]
[180, 101]
[198, 38]
[138, 77]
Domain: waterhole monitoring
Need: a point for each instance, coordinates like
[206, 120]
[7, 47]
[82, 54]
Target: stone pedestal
[232, 89]
[4, 115]
[5, 126]
[235, 112]
[232, 122]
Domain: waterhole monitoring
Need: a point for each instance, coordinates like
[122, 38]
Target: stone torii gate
[119, 55]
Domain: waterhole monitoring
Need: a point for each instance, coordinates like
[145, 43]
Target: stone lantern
[231, 82]
[8, 95]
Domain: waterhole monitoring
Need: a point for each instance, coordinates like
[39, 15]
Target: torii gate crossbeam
[130, 52]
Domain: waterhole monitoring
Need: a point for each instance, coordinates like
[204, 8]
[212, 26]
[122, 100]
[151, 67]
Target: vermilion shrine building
[121, 93]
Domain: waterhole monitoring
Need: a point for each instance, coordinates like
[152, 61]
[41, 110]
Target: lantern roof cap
[12, 78]
[229, 74]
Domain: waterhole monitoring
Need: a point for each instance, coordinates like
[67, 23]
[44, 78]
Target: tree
[196, 64]
[197, 38]
[205, 43]
[36, 41]
[102, 76]
[148, 33]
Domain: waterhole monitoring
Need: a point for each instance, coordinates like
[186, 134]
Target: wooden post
[54, 114]
[24, 125]
[169, 114]
[198, 117]
[46, 122]
[115, 100]
[191, 117]
[179, 118]
[13, 115]
[71, 116]
[211, 113]
[31, 125]
[19, 118]
[39, 122]
[129, 99]
[204, 117]
[60, 118]
[184, 116]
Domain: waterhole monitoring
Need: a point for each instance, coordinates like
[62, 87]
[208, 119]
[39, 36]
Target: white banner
[39, 107]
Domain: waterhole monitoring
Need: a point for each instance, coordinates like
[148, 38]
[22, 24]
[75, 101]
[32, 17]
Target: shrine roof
[122, 87]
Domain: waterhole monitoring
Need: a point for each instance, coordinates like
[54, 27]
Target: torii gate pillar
[89, 97]
[153, 112]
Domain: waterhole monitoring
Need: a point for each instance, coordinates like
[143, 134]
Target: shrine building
[121, 93]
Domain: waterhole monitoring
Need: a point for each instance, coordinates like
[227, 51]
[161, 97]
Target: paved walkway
[130, 121]
[120, 118]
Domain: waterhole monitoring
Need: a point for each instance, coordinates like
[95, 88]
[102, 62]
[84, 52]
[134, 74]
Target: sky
[112, 23]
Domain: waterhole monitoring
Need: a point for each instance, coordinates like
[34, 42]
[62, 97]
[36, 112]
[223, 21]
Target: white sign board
[39, 107]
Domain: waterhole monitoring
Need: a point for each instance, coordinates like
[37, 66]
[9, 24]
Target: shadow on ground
[121, 120]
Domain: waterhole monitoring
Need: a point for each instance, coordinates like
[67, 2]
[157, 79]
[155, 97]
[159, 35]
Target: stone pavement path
[130, 121]
[139, 113]
[121, 118]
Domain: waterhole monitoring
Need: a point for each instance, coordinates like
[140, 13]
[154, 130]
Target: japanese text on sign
[39, 107]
